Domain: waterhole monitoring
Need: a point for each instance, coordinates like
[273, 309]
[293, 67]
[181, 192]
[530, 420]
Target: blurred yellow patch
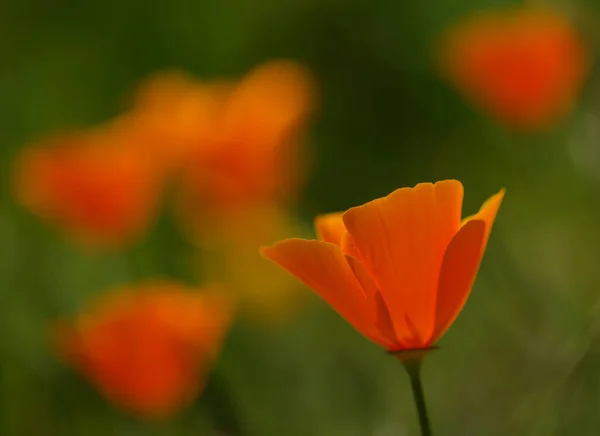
[265, 293]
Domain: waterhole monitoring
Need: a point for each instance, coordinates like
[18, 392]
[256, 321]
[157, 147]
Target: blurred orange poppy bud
[147, 348]
[89, 184]
[524, 66]
[171, 116]
[251, 154]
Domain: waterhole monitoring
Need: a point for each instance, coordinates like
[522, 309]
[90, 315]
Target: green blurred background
[522, 359]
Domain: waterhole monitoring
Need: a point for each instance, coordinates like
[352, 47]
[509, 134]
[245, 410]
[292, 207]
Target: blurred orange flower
[235, 138]
[147, 348]
[90, 184]
[399, 268]
[524, 66]
[172, 115]
[249, 153]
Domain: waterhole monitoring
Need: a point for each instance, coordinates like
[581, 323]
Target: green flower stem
[414, 372]
[411, 360]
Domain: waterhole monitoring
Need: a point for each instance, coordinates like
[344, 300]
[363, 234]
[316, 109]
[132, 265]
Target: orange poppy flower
[249, 151]
[525, 66]
[103, 193]
[147, 348]
[399, 268]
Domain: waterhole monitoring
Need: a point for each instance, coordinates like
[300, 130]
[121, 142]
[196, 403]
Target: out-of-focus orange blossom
[247, 165]
[235, 140]
[172, 114]
[524, 66]
[233, 151]
[148, 348]
[99, 190]
[251, 153]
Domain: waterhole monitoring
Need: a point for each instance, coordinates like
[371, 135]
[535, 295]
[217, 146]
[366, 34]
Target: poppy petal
[349, 246]
[330, 227]
[402, 239]
[488, 212]
[461, 262]
[458, 274]
[323, 267]
[383, 320]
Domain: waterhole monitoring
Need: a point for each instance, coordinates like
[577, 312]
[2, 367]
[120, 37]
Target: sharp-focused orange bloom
[525, 66]
[147, 349]
[399, 268]
[88, 183]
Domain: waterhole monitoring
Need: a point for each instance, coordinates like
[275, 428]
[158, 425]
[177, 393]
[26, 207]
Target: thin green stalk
[414, 372]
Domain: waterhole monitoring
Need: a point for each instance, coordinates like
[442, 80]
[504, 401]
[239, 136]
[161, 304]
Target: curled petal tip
[264, 251]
